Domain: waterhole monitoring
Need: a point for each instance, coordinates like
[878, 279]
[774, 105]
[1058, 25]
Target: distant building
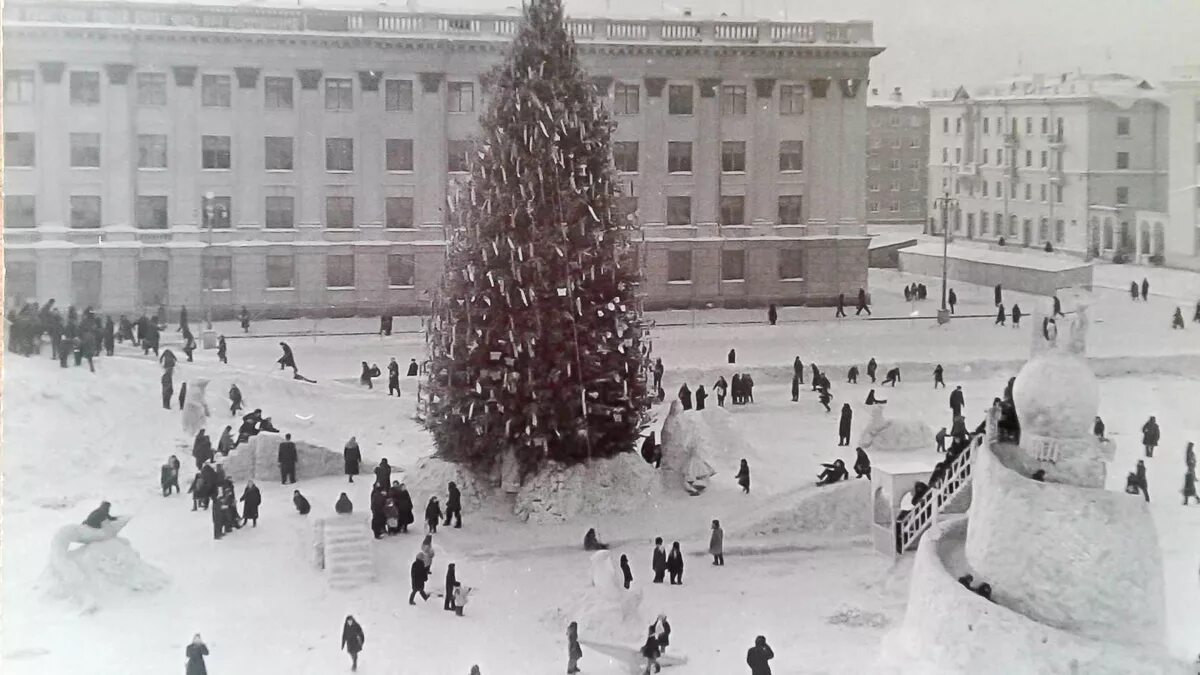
[298, 160]
[897, 159]
[1182, 238]
[1067, 160]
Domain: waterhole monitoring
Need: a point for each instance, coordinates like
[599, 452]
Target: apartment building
[1182, 220]
[897, 159]
[1066, 160]
[298, 160]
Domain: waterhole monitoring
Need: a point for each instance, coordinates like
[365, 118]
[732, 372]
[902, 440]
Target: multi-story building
[897, 159]
[1064, 160]
[1182, 236]
[299, 159]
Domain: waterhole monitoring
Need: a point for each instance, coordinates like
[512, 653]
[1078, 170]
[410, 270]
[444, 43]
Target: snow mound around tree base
[842, 508]
[102, 570]
[889, 435]
[432, 475]
[258, 459]
[605, 610]
[558, 493]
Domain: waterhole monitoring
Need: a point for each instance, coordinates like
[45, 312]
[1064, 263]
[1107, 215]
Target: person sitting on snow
[833, 473]
[99, 516]
[591, 541]
[301, 503]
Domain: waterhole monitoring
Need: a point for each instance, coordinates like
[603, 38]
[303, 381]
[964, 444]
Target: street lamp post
[945, 202]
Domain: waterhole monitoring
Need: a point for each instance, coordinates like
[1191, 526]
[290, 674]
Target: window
[1043, 230]
[733, 99]
[462, 97]
[733, 265]
[791, 263]
[215, 91]
[958, 155]
[999, 156]
[339, 93]
[278, 93]
[733, 210]
[873, 207]
[945, 155]
[1058, 194]
[733, 156]
[398, 95]
[914, 164]
[1060, 231]
[20, 211]
[914, 142]
[958, 125]
[679, 210]
[791, 209]
[85, 212]
[626, 101]
[876, 143]
[398, 212]
[1043, 191]
[984, 189]
[281, 215]
[983, 221]
[18, 86]
[85, 88]
[151, 89]
[216, 212]
[1028, 125]
[280, 270]
[625, 156]
[278, 153]
[894, 121]
[985, 156]
[680, 99]
[895, 185]
[217, 271]
[402, 270]
[791, 156]
[1045, 158]
[456, 157]
[791, 99]
[85, 151]
[679, 266]
[214, 152]
[152, 151]
[19, 148]
[1122, 126]
[399, 154]
[1029, 192]
[945, 125]
[339, 154]
[339, 213]
[1122, 195]
[985, 125]
[1122, 160]
[872, 186]
[1045, 125]
[151, 213]
[679, 157]
[1028, 158]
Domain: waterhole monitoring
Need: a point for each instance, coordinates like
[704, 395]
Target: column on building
[309, 152]
[184, 147]
[118, 145]
[370, 261]
[824, 150]
[53, 198]
[248, 217]
[852, 121]
[706, 153]
[652, 200]
[429, 162]
[762, 152]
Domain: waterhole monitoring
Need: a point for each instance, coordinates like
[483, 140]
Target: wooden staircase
[948, 497]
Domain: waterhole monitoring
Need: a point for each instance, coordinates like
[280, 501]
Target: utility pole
[945, 202]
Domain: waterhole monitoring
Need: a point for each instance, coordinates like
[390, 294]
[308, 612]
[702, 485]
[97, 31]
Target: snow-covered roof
[1119, 89]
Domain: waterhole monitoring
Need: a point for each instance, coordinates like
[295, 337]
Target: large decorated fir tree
[536, 336]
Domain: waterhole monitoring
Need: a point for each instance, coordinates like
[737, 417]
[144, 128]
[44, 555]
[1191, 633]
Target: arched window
[1108, 234]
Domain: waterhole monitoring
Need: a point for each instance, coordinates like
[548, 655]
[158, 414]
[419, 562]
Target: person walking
[1189, 487]
[759, 656]
[862, 303]
[658, 373]
[352, 640]
[451, 582]
[1150, 436]
[997, 296]
[675, 565]
[1189, 456]
[938, 376]
[732, 356]
[244, 319]
[1016, 315]
[1145, 289]
[222, 350]
[454, 506]
[795, 389]
[716, 544]
[685, 396]
[844, 425]
[235, 399]
[574, 651]
[701, 396]
[1000, 317]
[743, 477]
[352, 457]
[383, 473]
[852, 375]
[953, 300]
[195, 653]
[418, 574]
[871, 368]
[722, 388]
[433, 514]
[1057, 308]
[658, 560]
[1098, 428]
[1177, 319]
[287, 460]
[1140, 477]
[393, 377]
[252, 499]
[862, 464]
[772, 314]
[841, 306]
[957, 401]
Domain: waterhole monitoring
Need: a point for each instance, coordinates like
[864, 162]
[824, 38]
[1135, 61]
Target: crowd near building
[300, 160]
[897, 159]
[1067, 160]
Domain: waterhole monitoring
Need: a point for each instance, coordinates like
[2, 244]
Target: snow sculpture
[103, 566]
[687, 442]
[890, 435]
[605, 610]
[195, 408]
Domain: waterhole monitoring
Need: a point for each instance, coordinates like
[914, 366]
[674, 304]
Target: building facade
[299, 160]
[897, 159]
[1182, 237]
[1065, 160]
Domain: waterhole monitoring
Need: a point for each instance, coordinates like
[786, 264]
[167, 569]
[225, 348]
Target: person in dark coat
[939, 376]
[244, 319]
[235, 399]
[433, 514]
[732, 356]
[871, 368]
[735, 388]
[413, 368]
[1000, 316]
[658, 561]
[1150, 436]
[701, 396]
[574, 651]
[1177, 319]
[847, 416]
[862, 464]
[168, 386]
[651, 651]
[287, 360]
[1057, 308]
[367, 375]
[404, 505]
[997, 295]
[743, 477]
[650, 450]
[301, 504]
[252, 499]
[1189, 487]
[1016, 315]
[795, 389]
[189, 344]
[953, 300]
[675, 565]
[833, 473]
[956, 401]
[221, 515]
[1142, 485]
[225, 442]
[287, 460]
[202, 450]
[418, 573]
[591, 541]
[626, 573]
[195, 653]
[393, 377]
[872, 400]
[722, 388]
[352, 456]
[109, 338]
[169, 476]
[182, 394]
[841, 306]
[379, 500]
[99, 516]
[168, 359]
[862, 303]
[451, 582]
[798, 369]
[1145, 289]
[748, 384]
[343, 505]
[222, 350]
[685, 396]
[658, 373]
[759, 657]
[852, 375]
[383, 472]
[183, 321]
[824, 397]
[893, 377]
[454, 505]
[1189, 456]
[385, 324]
[352, 640]
[772, 315]
[1098, 428]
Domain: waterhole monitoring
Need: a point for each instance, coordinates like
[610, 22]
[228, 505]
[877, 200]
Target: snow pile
[882, 434]
[195, 407]
[842, 508]
[101, 571]
[432, 475]
[689, 440]
[258, 459]
[606, 611]
[557, 493]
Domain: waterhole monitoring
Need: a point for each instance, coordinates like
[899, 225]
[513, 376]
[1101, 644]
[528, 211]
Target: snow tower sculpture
[1075, 570]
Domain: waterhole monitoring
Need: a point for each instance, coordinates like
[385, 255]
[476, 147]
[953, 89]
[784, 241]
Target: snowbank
[101, 571]
[889, 435]
[432, 475]
[557, 493]
[258, 459]
[842, 508]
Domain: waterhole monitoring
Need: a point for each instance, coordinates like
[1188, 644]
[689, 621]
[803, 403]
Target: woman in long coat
[743, 477]
[353, 457]
[675, 564]
[403, 504]
[195, 656]
[433, 514]
[352, 640]
[716, 544]
[844, 425]
[252, 498]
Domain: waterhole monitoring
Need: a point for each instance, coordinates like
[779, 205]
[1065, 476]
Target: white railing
[680, 31]
[793, 32]
[458, 25]
[578, 28]
[627, 30]
[925, 512]
[400, 23]
[737, 32]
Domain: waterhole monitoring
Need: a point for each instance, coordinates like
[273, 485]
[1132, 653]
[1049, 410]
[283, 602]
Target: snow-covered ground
[824, 599]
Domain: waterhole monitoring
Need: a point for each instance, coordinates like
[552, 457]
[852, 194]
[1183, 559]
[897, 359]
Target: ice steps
[346, 550]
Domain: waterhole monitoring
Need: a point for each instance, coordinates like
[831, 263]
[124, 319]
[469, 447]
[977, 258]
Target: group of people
[78, 336]
[1136, 481]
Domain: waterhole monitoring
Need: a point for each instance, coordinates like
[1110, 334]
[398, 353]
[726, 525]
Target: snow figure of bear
[102, 566]
[195, 408]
